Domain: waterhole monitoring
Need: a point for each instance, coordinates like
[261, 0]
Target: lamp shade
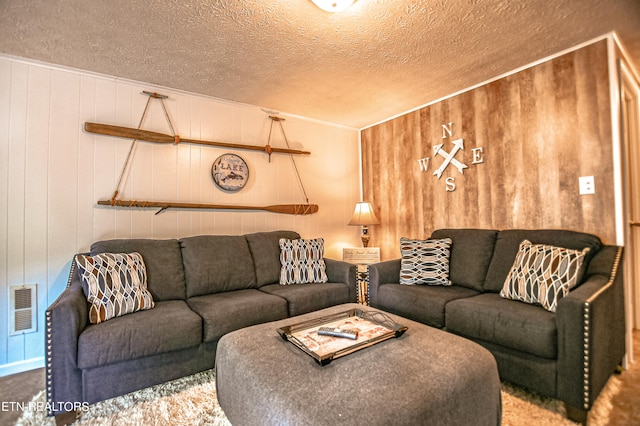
[333, 5]
[363, 215]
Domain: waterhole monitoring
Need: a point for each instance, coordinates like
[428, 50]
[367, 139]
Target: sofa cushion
[162, 258]
[304, 298]
[515, 325]
[114, 284]
[265, 249]
[232, 310]
[425, 304]
[542, 274]
[424, 261]
[169, 326]
[471, 252]
[302, 261]
[217, 263]
[508, 243]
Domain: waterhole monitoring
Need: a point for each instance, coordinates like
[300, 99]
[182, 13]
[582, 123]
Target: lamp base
[365, 240]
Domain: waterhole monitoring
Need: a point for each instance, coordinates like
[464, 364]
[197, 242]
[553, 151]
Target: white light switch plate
[587, 185]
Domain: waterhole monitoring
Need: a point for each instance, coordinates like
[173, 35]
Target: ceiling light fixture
[333, 5]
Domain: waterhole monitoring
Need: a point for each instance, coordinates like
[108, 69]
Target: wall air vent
[22, 309]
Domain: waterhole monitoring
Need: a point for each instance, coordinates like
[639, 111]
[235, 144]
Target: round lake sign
[230, 173]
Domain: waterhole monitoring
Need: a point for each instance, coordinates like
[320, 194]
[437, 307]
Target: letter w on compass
[458, 144]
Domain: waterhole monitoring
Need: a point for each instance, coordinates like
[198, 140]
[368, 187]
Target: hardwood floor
[626, 405]
[20, 388]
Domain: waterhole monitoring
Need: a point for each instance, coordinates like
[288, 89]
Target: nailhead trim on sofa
[587, 316]
[49, 349]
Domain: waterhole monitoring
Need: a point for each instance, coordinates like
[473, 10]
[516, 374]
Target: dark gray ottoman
[427, 376]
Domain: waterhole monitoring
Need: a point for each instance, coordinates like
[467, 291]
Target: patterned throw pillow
[425, 261]
[302, 261]
[115, 284]
[542, 274]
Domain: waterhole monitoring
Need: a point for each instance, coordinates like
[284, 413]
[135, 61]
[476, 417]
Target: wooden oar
[298, 209]
[146, 135]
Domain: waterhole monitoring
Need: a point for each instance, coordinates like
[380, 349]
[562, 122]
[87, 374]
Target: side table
[362, 257]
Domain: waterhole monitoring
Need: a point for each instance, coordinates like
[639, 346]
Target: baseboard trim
[21, 366]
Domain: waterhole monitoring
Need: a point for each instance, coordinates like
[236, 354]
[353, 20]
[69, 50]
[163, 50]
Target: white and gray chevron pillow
[302, 261]
[425, 261]
[542, 274]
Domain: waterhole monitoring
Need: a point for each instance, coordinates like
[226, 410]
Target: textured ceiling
[375, 60]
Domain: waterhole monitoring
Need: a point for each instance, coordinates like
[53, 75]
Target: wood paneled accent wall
[539, 129]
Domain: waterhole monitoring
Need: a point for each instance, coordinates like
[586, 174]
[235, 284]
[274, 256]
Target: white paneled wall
[52, 173]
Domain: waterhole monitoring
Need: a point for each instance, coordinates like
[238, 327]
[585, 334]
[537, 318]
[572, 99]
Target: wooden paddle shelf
[156, 137]
[295, 209]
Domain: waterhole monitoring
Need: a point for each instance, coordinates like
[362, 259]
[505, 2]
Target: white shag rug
[193, 400]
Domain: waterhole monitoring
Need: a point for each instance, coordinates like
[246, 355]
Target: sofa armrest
[65, 318]
[343, 272]
[591, 331]
[382, 273]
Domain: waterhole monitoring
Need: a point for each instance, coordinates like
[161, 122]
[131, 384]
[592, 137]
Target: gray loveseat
[203, 287]
[568, 355]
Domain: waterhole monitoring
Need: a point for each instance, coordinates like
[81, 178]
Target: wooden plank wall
[539, 130]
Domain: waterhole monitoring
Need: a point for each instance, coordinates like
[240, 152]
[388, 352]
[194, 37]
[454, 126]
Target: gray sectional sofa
[568, 354]
[203, 287]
